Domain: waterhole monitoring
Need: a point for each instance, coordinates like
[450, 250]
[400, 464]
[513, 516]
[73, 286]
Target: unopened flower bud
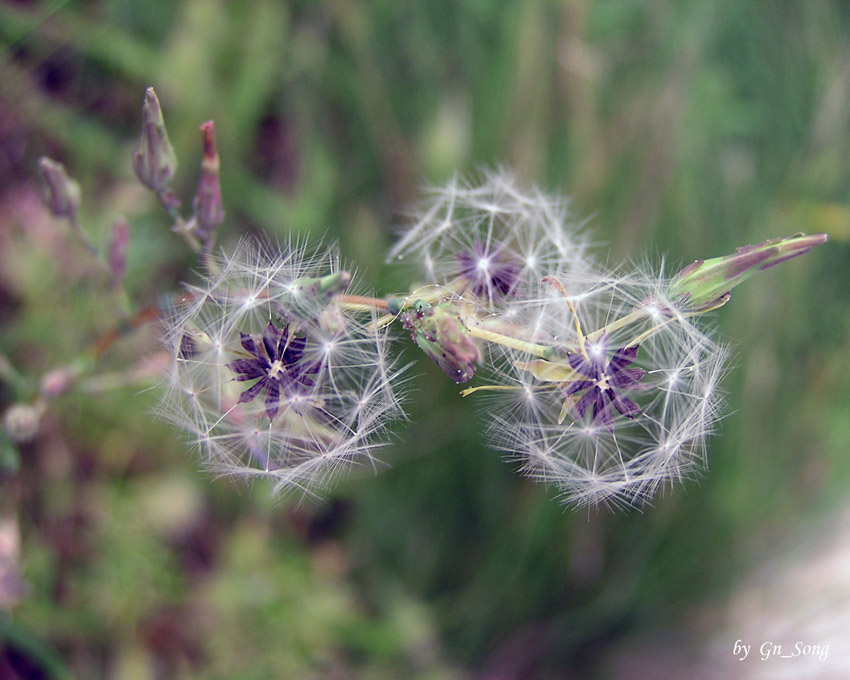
[706, 284]
[21, 422]
[209, 210]
[59, 380]
[154, 159]
[119, 238]
[306, 298]
[440, 332]
[56, 382]
[61, 193]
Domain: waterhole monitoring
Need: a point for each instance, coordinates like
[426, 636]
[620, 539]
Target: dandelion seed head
[631, 400]
[271, 378]
[492, 237]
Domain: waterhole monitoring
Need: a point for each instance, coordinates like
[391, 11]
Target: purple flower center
[605, 382]
[278, 366]
[489, 271]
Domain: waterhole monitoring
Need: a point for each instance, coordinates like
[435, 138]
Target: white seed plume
[336, 419]
[494, 221]
[624, 458]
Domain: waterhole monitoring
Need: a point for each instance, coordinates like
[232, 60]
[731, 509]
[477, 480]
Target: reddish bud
[209, 211]
[56, 382]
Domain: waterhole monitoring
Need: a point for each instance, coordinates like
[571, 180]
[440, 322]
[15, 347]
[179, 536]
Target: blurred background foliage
[685, 129]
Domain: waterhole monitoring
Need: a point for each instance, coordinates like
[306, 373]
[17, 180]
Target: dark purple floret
[606, 380]
[278, 366]
[489, 272]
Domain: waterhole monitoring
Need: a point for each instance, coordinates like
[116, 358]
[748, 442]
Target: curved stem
[142, 317]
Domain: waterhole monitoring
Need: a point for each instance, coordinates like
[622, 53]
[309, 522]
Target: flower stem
[543, 351]
[80, 235]
[140, 318]
[616, 325]
[489, 388]
[362, 303]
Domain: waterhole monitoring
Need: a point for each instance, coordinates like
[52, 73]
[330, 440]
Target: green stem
[622, 322]
[180, 227]
[489, 388]
[172, 206]
[640, 314]
[542, 351]
[80, 235]
[361, 303]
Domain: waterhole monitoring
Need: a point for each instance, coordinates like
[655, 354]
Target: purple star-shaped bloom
[605, 382]
[488, 271]
[278, 366]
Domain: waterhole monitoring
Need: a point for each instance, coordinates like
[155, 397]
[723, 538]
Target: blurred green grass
[686, 129]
